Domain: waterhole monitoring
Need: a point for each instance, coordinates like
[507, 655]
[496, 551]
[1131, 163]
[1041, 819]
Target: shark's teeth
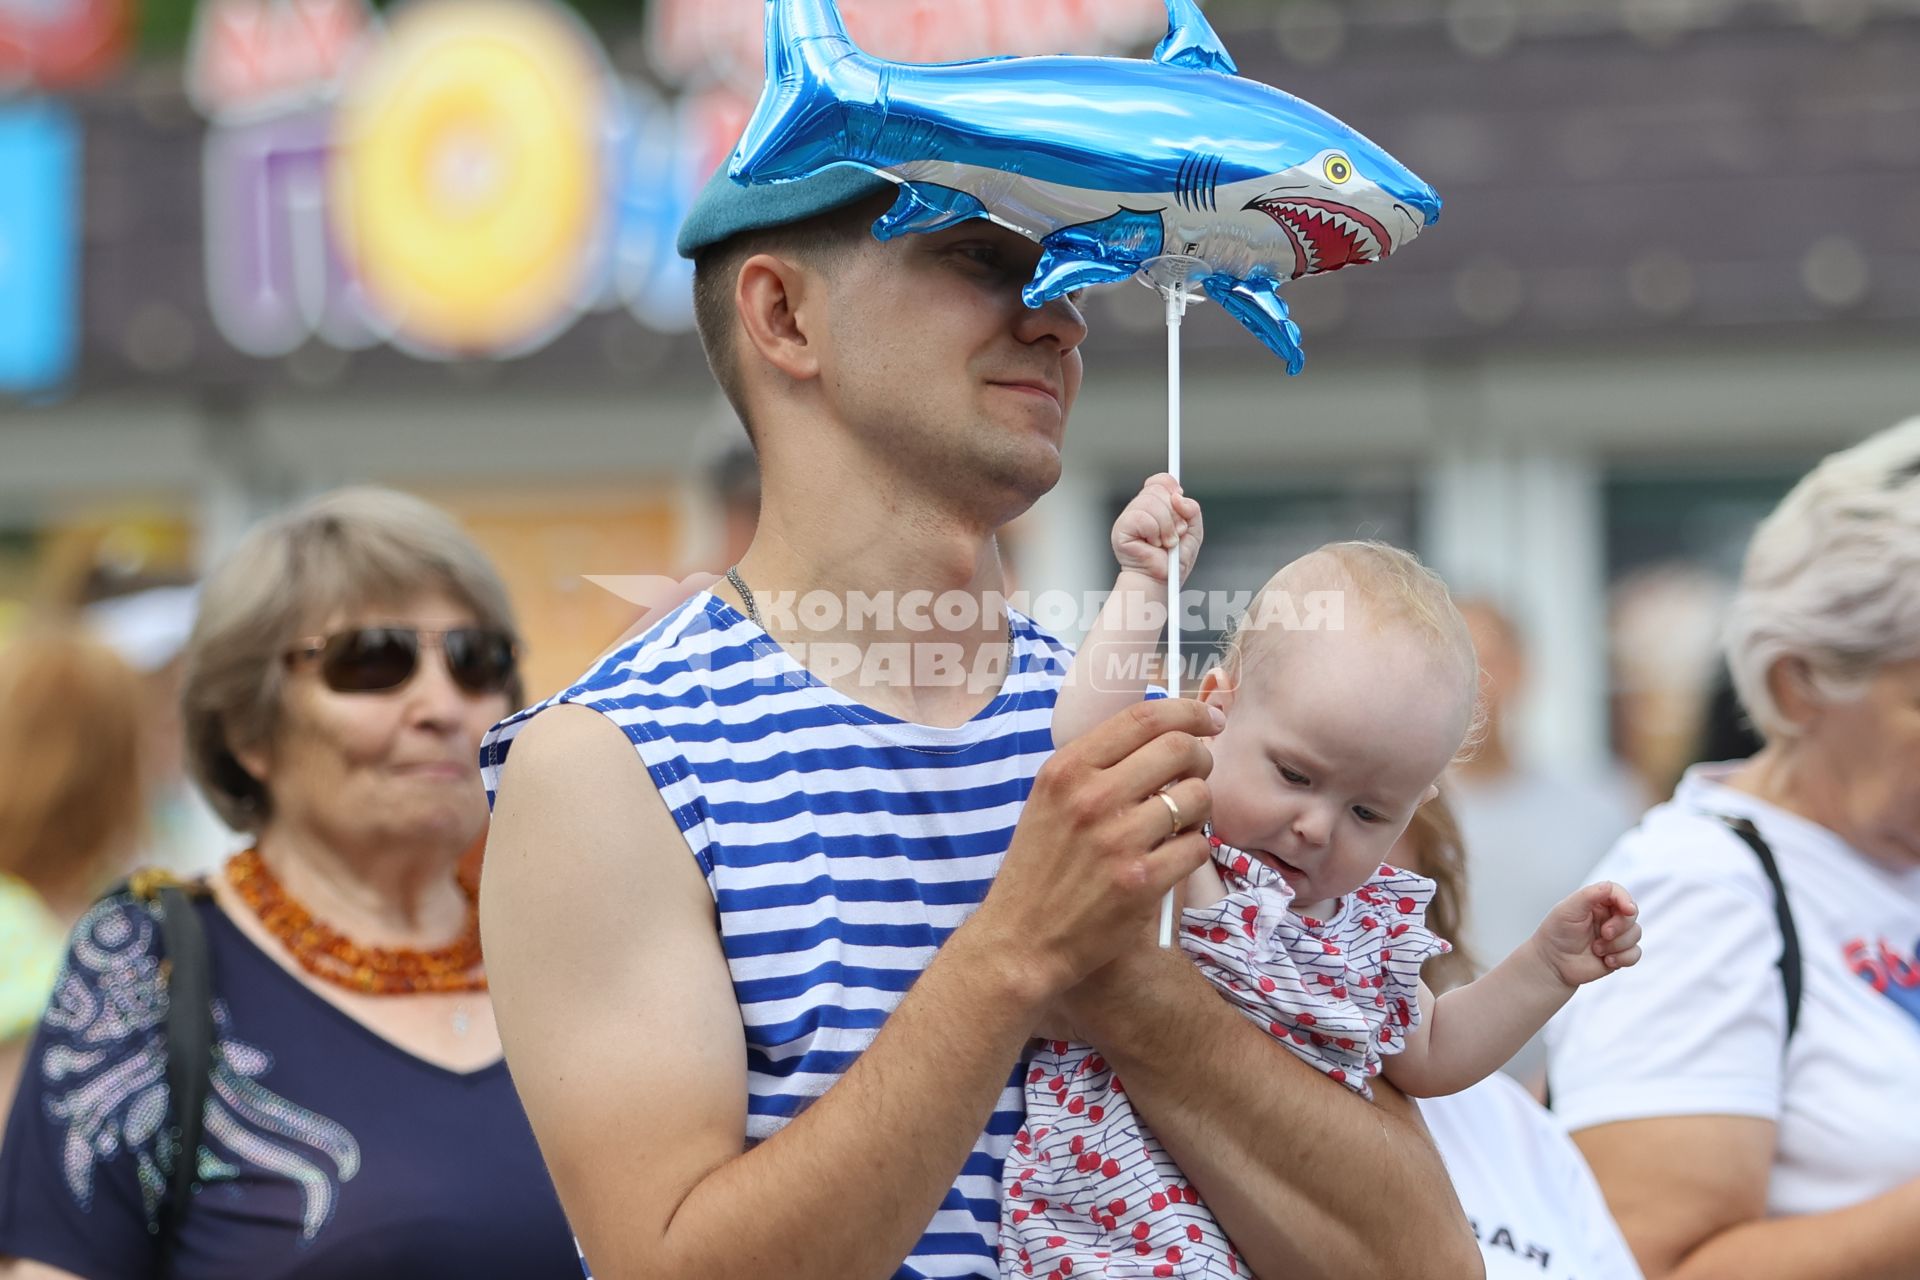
[1318, 225]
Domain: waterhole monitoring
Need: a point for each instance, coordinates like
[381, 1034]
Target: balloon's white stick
[1176, 296]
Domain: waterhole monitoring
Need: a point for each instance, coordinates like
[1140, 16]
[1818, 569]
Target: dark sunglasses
[376, 659]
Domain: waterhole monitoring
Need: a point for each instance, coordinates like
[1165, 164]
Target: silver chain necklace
[753, 611]
[746, 596]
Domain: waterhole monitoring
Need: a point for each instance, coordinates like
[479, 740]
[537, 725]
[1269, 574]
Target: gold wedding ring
[1173, 811]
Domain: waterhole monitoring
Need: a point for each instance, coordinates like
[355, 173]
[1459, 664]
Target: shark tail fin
[806, 44]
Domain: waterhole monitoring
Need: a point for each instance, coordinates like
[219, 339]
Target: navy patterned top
[328, 1152]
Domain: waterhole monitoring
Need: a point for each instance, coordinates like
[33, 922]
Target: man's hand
[1096, 847]
[1089, 1010]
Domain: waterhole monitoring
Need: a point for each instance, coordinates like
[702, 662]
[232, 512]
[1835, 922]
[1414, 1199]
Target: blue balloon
[1107, 163]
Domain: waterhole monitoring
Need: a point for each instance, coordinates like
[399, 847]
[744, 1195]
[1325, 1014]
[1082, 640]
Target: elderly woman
[358, 1119]
[1746, 1094]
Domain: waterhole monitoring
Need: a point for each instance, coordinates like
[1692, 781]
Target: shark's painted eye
[1339, 170]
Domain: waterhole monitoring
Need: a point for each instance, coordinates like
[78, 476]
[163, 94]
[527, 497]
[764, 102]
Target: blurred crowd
[293, 744]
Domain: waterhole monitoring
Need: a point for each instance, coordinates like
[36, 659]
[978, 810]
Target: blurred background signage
[60, 44]
[466, 178]
[294, 243]
[39, 245]
[699, 43]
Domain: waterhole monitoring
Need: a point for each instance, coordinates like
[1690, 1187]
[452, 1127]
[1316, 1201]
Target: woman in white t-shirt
[1727, 1144]
[1533, 1204]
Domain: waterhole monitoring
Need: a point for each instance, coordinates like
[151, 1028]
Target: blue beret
[725, 208]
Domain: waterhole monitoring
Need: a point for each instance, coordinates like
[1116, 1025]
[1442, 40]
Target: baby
[1351, 687]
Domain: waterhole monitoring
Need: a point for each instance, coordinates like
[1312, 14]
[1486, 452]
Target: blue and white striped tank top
[842, 846]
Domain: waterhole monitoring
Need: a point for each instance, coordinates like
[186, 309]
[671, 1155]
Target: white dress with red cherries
[1089, 1189]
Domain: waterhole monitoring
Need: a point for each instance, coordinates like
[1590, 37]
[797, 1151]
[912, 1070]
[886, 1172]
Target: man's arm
[620, 1022]
[1308, 1179]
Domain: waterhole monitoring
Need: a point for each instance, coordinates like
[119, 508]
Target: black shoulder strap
[190, 1034]
[189, 1041]
[1789, 936]
[1789, 962]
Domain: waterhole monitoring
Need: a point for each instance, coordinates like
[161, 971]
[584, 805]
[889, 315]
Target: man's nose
[1060, 320]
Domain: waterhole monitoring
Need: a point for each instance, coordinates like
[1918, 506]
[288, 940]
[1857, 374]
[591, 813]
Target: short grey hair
[290, 577]
[1833, 577]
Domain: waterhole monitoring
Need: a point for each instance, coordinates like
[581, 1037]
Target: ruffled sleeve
[1340, 993]
[1385, 927]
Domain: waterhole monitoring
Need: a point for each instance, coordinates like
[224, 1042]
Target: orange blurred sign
[60, 44]
[468, 185]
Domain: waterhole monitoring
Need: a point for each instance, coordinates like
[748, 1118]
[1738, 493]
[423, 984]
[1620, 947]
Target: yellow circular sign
[466, 185]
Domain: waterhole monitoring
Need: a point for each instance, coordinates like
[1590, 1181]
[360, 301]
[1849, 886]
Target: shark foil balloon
[1108, 163]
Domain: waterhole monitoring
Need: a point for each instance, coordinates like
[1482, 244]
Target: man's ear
[770, 296]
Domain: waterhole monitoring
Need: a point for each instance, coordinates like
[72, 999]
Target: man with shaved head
[770, 922]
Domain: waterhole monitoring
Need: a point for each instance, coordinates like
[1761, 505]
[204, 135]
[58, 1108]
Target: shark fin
[1060, 274]
[806, 41]
[1192, 42]
[927, 206]
[1091, 253]
[1257, 304]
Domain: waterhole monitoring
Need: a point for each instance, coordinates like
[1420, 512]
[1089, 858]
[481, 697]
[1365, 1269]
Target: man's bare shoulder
[577, 808]
[564, 748]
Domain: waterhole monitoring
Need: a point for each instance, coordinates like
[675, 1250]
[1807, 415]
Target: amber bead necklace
[332, 957]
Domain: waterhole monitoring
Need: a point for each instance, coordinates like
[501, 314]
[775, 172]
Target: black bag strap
[190, 1036]
[1789, 962]
[189, 1041]
[1790, 969]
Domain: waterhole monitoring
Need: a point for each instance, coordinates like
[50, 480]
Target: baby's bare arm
[1111, 670]
[1470, 1032]
[1109, 673]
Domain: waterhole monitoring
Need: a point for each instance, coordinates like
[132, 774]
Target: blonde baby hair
[1385, 587]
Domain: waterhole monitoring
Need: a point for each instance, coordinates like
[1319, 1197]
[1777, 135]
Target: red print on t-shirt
[1892, 972]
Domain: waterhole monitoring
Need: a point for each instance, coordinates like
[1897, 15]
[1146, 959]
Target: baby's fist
[1595, 931]
[1158, 517]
